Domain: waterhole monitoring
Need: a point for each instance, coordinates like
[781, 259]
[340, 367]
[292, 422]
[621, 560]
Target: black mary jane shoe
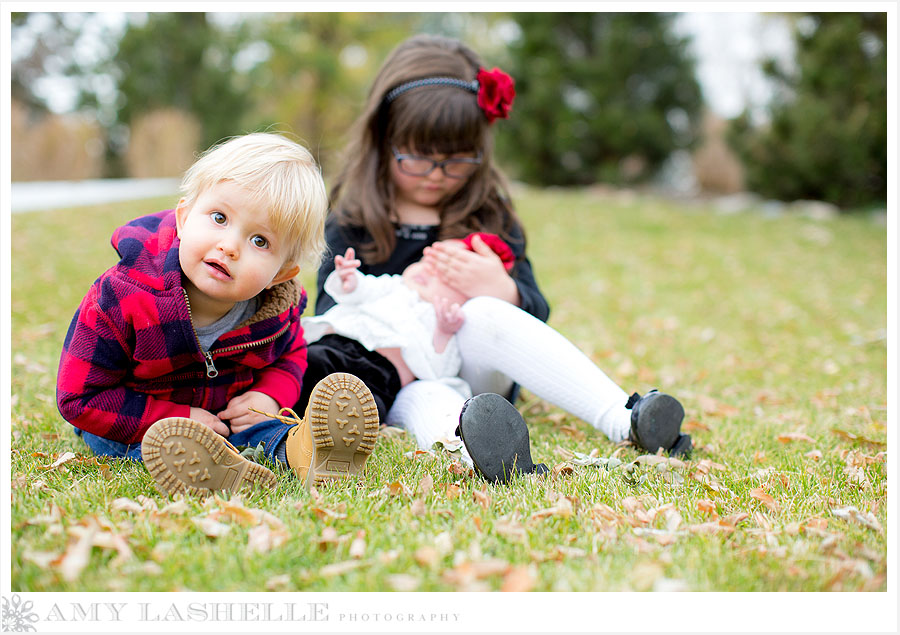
[656, 423]
[496, 437]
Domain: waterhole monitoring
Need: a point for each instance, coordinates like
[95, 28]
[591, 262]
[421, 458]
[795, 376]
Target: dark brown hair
[427, 120]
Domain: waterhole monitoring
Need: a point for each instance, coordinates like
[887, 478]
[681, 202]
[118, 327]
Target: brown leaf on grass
[788, 437]
[466, 572]
[328, 538]
[323, 512]
[62, 459]
[358, 545]
[708, 507]
[126, 505]
[457, 468]
[606, 513]
[481, 497]
[52, 518]
[403, 582]
[340, 568]
[573, 431]
[425, 485]
[712, 527]
[417, 508]
[77, 554]
[563, 508]
[397, 488]
[850, 436]
[760, 494]
[517, 579]
[263, 538]
[451, 490]
[42, 559]
[562, 469]
[391, 432]
[511, 529]
[866, 519]
[211, 527]
[427, 556]
[278, 582]
[759, 457]
[715, 408]
[815, 455]
[693, 425]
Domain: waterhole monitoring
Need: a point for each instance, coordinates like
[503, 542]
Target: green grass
[761, 326]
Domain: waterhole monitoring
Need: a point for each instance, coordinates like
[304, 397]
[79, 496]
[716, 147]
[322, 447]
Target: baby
[408, 319]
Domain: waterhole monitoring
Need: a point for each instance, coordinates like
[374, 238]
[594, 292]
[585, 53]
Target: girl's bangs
[444, 123]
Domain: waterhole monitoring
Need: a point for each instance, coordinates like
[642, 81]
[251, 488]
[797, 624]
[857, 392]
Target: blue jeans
[271, 433]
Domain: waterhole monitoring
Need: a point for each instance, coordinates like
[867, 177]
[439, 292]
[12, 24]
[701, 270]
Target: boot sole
[659, 422]
[496, 437]
[343, 421]
[186, 457]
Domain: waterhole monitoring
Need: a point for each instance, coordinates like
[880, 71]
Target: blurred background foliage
[602, 97]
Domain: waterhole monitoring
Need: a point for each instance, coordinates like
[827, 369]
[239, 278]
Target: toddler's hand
[238, 414]
[346, 267]
[209, 420]
[450, 317]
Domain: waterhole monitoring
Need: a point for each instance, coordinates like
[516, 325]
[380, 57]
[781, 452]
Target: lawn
[771, 331]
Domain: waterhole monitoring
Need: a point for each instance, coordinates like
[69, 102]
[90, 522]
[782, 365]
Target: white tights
[500, 344]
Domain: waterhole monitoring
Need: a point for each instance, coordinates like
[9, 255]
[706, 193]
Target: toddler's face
[229, 252]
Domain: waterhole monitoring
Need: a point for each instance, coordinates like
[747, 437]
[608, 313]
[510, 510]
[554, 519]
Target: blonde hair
[280, 174]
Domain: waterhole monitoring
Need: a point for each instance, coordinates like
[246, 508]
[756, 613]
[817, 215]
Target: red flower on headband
[496, 91]
[497, 244]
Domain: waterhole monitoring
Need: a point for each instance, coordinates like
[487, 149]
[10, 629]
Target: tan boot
[337, 434]
[184, 456]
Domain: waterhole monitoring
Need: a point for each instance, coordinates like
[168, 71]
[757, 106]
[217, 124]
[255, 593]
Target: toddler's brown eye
[260, 242]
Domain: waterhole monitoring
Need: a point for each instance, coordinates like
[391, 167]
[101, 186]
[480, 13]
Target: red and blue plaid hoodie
[131, 355]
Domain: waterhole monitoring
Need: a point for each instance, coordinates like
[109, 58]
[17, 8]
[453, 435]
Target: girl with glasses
[419, 171]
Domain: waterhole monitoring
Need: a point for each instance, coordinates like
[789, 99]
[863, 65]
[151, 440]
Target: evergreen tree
[827, 134]
[600, 97]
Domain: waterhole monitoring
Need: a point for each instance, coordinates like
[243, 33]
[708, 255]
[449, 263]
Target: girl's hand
[473, 273]
[238, 414]
[346, 267]
[210, 421]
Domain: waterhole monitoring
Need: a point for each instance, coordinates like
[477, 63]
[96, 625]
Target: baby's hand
[346, 267]
[450, 317]
[238, 412]
[209, 420]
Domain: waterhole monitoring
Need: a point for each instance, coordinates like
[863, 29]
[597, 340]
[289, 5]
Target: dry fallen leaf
[211, 527]
[481, 497]
[339, 568]
[866, 519]
[358, 546]
[760, 494]
[521, 578]
[403, 582]
[707, 506]
[264, 538]
[787, 437]
[849, 436]
[425, 485]
[451, 490]
[77, 555]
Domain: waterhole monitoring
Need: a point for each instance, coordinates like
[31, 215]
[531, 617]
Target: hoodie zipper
[211, 370]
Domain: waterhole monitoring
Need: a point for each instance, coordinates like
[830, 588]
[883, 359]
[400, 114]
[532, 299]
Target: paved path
[31, 196]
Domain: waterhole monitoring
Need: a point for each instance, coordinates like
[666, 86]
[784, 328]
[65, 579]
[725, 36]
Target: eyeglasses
[454, 168]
